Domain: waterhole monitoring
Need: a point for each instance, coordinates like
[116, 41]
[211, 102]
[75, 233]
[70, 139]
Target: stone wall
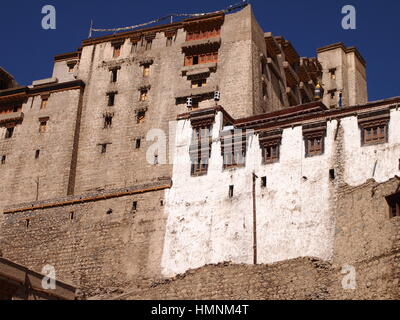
[89, 245]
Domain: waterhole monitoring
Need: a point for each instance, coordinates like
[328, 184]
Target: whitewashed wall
[295, 216]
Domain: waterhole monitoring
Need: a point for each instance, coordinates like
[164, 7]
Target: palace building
[281, 172]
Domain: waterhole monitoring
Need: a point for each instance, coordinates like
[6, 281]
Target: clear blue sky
[27, 50]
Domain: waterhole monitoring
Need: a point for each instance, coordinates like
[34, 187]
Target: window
[108, 120]
[234, 149]
[201, 58]
[109, 211]
[143, 95]
[169, 41]
[149, 43]
[332, 174]
[202, 34]
[394, 205]
[200, 150]
[114, 74]
[314, 146]
[37, 154]
[231, 191]
[374, 134]
[43, 126]
[134, 205]
[111, 98]
[9, 132]
[199, 83]
[263, 182]
[117, 50]
[3, 159]
[134, 47]
[155, 160]
[332, 73]
[270, 153]
[103, 147]
[27, 223]
[141, 115]
[44, 102]
[137, 143]
[146, 70]
[71, 215]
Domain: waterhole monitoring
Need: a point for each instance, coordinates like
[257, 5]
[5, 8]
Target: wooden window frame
[140, 116]
[374, 134]
[201, 58]
[200, 150]
[234, 151]
[313, 133]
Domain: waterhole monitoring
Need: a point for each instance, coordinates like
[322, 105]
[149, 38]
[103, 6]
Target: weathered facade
[154, 152]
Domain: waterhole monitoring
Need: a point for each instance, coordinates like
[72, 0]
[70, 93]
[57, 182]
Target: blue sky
[27, 50]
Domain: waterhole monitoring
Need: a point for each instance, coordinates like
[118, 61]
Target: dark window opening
[394, 205]
[103, 148]
[169, 41]
[141, 115]
[37, 154]
[199, 83]
[3, 159]
[43, 126]
[149, 43]
[114, 75]
[117, 51]
[162, 203]
[270, 153]
[143, 95]
[71, 215]
[332, 174]
[9, 133]
[134, 205]
[155, 161]
[27, 223]
[108, 121]
[263, 182]
[231, 191]
[109, 211]
[332, 72]
[137, 144]
[111, 98]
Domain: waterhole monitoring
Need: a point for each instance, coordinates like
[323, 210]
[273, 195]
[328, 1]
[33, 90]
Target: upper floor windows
[44, 101]
[200, 150]
[270, 144]
[9, 132]
[117, 50]
[234, 143]
[375, 134]
[114, 74]
[314, 138]
[374, 127]
[199, 34]
[43, 125]
[111, 98]
[194, 59]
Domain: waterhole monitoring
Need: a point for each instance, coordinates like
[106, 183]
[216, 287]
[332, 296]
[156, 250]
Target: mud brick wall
[89, 246]
[369, 240]
[303, 278]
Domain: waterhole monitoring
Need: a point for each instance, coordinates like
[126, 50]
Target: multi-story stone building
[156, 151]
